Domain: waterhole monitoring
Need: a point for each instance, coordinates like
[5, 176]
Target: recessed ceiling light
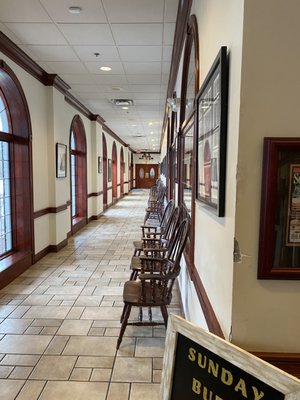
[75, 10]
[117, 89]
[125, 108]
[105, 68]
[150, 123]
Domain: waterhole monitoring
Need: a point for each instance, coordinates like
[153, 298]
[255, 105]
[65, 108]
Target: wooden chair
[155, 283]
[157, 245]
[155, 231]
[156, 207]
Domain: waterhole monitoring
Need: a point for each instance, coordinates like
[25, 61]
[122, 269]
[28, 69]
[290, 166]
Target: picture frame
[109, 170]
[211, 133]
[99, 165]
[279, 235]
[61, 160]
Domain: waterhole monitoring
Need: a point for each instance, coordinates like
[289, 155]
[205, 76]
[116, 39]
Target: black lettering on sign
[200, 374]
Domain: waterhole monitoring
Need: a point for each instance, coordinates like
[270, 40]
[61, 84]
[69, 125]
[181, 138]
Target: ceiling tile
[94, 68]
[86, 88]
[143, 68]
[22, 11]
[77, 79]
[145, 88]
[114, 80]
[138, 53]
[137, 34]
[171, 7]
[92, 11]
[167, 53]
[147, 96]
[52, 53]
[87, 53]
[37, 33]
[169, 30]
[87, 34]
[144, 79]
[67, 67]
[134, 10]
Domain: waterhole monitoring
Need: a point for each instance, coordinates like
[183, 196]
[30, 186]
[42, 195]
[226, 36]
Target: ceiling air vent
[122, 102]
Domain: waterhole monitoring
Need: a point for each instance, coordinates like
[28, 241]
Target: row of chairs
[155, 265]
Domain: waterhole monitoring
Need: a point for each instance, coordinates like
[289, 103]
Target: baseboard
[95, 217]
[288, 362]
[20, 262]
[52, 248]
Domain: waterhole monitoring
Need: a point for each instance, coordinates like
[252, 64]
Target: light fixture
[174, 103]
[122, 102]
[125, 108]
[150, 123]
[105, 68]
[75, 10]
[146, 157]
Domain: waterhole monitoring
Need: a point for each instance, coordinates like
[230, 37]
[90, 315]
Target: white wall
[219, 24]
[265, 312]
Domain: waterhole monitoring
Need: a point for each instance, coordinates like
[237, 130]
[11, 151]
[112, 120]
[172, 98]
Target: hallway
[59, 321]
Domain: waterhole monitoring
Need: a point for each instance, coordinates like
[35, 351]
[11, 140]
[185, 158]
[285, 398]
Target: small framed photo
[279, 238]
[99, 165]
[61, 160]
[109, 170]
[211, 136]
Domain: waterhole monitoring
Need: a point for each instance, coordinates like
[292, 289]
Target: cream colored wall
[265, 312]
[51, 118]
[220, 24]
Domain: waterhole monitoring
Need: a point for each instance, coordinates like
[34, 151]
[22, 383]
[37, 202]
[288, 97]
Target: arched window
[104, 157]
[78, 174]
[114, 172]
[16, 215]
[6, 238]
[122, 170]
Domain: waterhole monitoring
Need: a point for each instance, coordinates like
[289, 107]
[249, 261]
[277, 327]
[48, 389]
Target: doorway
[145, 175]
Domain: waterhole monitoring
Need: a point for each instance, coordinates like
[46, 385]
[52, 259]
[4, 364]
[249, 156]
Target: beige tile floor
[59, 321]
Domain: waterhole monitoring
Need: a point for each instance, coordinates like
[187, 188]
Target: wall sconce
[174, 103]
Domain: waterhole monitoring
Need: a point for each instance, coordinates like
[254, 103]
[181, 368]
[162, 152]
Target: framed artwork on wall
[109, 170]
[61, 160]
[211, 120]
[99, 165]
[279, 238]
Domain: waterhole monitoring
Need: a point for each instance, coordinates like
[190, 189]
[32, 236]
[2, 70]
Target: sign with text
[200, 366]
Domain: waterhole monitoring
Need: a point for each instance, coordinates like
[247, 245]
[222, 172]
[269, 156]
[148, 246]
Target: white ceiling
[133, 37]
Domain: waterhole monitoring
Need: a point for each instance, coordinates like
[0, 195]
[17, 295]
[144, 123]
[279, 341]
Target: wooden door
[145, 175]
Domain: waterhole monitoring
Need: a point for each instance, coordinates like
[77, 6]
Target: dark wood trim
[56, 81]
[13, 266]
[126, 182]
[80, 223]
[119, 184]
[51, 210]
[17, 55]
[109, 188]
[50, 249]
[95, 194]
[288, 362]
[95, 217]
[208, 311]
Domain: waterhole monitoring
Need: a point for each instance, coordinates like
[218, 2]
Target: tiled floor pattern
[59, 321]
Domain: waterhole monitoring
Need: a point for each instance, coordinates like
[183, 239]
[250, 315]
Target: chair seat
[138, 245]
[133, 290]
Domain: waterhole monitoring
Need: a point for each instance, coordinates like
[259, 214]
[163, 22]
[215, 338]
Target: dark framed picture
[211, 120]
[279, 238]
[174, 159]
[61, 160]
[99, 165]
[109, 170]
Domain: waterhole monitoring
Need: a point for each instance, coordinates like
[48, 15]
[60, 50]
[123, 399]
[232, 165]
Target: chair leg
[150, 313]
[133, 275]
[164, 314]
[141, 314]
[123, 312]
[124, 324]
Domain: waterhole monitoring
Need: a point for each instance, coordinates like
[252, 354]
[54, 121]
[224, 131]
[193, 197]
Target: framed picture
[279, 238]
[61, 160]
[109, 170]
[211, 120]
[99, 165]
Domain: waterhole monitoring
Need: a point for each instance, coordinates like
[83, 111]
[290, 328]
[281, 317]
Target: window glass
[142, 173]
[152, 173]
[4, 121]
